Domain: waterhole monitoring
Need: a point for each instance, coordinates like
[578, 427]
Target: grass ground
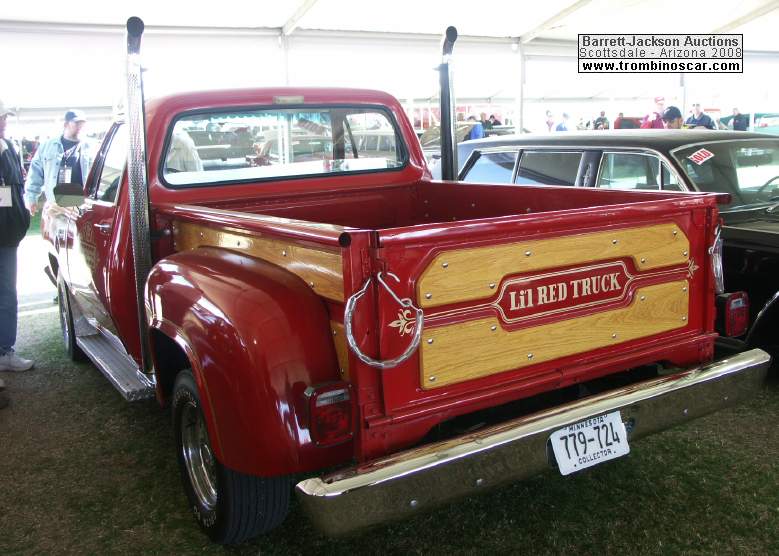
[84, 472]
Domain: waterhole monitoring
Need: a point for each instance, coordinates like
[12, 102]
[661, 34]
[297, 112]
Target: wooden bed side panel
[320, 268]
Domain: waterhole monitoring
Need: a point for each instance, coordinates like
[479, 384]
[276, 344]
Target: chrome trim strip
[398, 485]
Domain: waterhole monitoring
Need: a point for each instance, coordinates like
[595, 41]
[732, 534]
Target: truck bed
[523, 289]
[436, 202]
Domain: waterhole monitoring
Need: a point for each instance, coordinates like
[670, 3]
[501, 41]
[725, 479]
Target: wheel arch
[255, 337]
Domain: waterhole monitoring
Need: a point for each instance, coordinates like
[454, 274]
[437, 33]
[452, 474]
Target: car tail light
[716, 262]
[330, 411]
[732, 314]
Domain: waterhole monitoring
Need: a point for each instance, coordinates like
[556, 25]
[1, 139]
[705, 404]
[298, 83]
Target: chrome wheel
[198, 457]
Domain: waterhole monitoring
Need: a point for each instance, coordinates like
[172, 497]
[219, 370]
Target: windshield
[252, 145]
[748, 170]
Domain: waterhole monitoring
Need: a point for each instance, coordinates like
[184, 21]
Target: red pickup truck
[314, 303]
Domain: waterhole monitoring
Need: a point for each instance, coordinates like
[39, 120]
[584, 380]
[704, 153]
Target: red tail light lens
[732, 314]
[330, 410]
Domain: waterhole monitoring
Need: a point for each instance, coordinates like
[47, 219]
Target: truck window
[548, 168]
[492, 168]
[113, 167]
[252, 145]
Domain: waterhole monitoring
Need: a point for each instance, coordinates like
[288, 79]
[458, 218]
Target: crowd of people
[63, 159]
[661, 117]
[479, 127]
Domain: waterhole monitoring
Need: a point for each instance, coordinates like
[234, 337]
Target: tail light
[716, 262]
[732, 314]
[331, 413]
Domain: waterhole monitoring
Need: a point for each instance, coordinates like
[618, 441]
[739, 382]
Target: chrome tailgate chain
[404, 303]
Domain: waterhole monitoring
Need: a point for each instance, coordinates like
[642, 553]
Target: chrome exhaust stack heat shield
[448, 123]
[137, 179]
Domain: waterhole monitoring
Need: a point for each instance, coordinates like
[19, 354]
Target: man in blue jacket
[699, 119]
[65, 159]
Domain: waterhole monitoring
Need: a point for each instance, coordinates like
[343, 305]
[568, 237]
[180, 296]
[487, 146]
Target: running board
[117, 367]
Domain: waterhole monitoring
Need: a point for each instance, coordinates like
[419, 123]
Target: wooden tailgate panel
[471, 274]
[651, 265]
[473, 349]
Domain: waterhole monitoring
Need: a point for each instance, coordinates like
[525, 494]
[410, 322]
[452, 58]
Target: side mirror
[69, 194]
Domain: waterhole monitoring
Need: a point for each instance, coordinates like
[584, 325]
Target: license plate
[589, 442]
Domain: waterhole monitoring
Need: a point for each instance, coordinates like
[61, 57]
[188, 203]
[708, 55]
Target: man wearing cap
[65, 159]
[655, 119]
[14, 221]
[699, 119]
[672, 117]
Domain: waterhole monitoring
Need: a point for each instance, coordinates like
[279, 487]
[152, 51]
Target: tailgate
[540, 301]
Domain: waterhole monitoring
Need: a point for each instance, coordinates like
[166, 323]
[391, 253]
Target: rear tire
[229, 506]
[66, 324]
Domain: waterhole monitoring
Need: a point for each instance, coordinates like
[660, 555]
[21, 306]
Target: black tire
[229, 506]
[66, 324]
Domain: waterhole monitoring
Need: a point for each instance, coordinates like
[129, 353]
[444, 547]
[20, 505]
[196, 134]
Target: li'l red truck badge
[562, 291]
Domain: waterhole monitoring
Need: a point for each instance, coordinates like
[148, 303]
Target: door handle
[103, 228]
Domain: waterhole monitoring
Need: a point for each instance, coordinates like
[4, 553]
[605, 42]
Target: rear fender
[256, 336]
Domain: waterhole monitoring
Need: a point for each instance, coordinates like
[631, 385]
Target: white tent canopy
[552, 19]
[72, 54]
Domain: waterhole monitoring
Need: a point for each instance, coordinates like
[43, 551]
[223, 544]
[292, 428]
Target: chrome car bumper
[404, 483]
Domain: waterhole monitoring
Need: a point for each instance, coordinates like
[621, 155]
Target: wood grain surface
[341, 349]
[470, 274]
[321, 269]
[468, 350]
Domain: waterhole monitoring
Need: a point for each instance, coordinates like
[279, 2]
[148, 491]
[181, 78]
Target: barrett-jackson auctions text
[660, 53]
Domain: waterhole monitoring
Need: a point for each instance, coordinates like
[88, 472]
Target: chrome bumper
[404, 483]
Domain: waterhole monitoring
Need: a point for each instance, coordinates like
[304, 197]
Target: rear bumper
[404, 483]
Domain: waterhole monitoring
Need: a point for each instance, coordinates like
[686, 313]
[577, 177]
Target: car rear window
[258, 144]
[548, 168]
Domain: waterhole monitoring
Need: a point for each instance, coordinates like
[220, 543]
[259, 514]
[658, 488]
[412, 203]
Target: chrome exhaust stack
[137, 180]
[448, 123]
